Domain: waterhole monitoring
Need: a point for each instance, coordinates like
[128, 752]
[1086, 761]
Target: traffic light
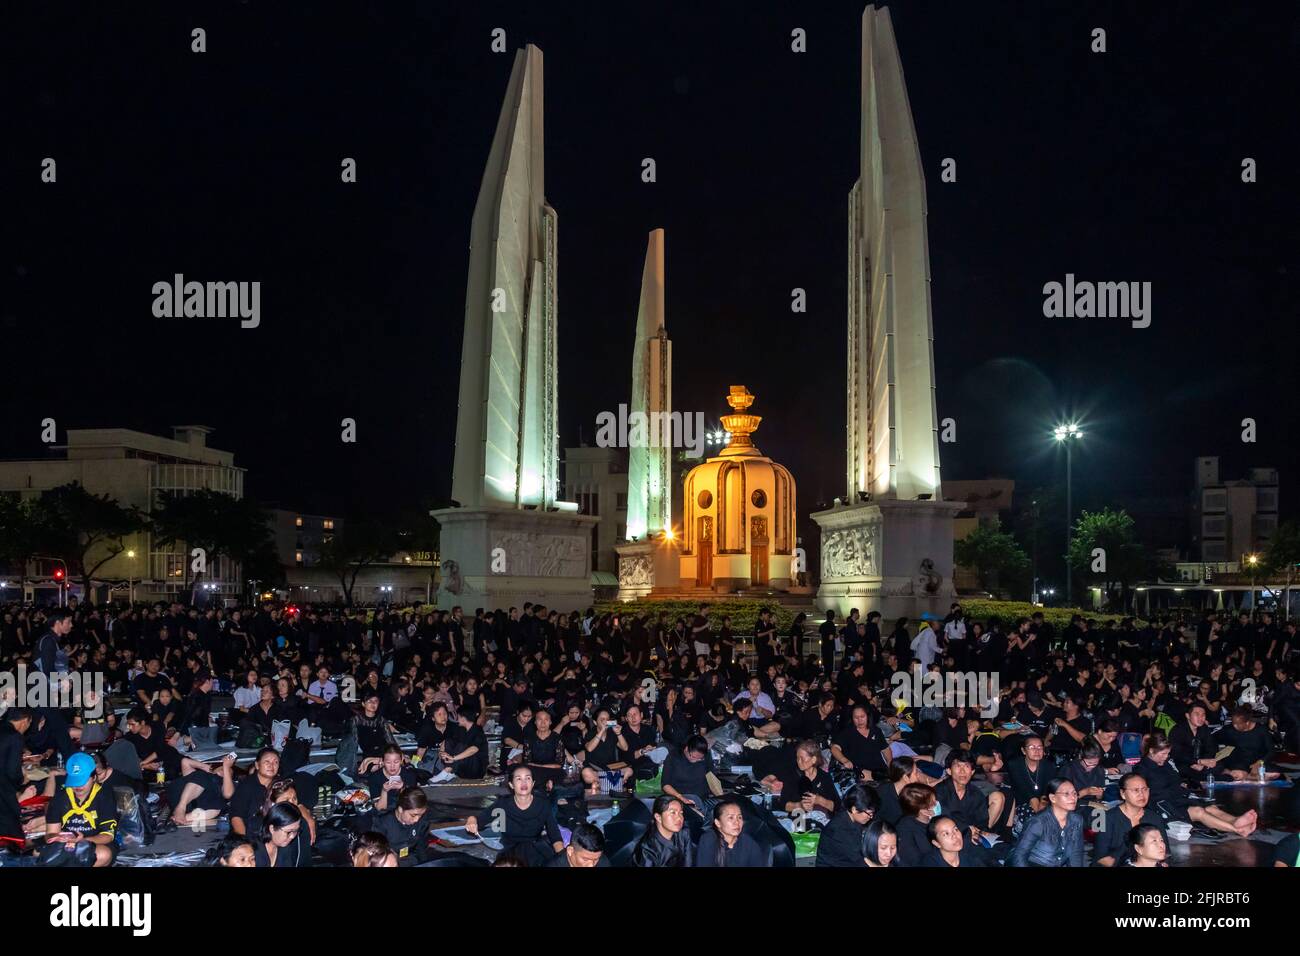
[58, 574]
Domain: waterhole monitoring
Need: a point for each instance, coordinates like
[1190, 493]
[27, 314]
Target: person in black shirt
[14, 724]
[805, 786]
[841, 840]
[586, 850]
[250, 793]
[726, 843]
[1070, 728]
[147, 684]
[666, 842]
[827, 631]
[83, 811]
[433, 734]
[861, 747]
[914, 845]
[156, 755]
[1251, 746]
[974, 811]
[406, 826]
[387, 775]
[686, 773]
[636, 742]
[525, 823]
[817, 722]
[1193, 747]
[1110, 847]
[544, 751]
[466, 754]
[950, 848]
[283, 841]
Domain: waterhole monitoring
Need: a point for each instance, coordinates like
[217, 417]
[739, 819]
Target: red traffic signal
[58, 574]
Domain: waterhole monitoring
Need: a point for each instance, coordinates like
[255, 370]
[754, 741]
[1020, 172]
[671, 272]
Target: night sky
[1122, 166]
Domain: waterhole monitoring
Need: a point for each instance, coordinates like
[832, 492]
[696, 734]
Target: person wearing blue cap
[83, 811]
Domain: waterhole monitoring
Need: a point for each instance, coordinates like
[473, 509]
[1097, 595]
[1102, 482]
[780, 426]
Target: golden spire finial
[740, 424]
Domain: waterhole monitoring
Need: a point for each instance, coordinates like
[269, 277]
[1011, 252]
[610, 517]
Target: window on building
[329, 524]
[298, 521]
[1266, 499]
[621, 501]
[1265, 525]
[1214, 500]
[297, 556]
[1213, 526]
[1213, 551]
[622, 532]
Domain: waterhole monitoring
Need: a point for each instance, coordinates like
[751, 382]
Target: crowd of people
[590, 702]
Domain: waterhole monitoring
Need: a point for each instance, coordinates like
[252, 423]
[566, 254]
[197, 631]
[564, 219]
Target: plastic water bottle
[1209, 782]
[1261, 771]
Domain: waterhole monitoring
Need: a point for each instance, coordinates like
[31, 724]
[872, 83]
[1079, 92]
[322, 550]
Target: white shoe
[442, 776]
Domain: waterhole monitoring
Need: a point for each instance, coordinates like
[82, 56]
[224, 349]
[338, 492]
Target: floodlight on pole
[1065, 434]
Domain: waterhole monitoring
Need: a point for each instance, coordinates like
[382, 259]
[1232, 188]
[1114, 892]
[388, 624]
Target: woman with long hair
[666, 842]
[726, 843]
[283, 839]
[879, 845]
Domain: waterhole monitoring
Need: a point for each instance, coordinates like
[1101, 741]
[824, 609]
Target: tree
[1104, 549]
[1282, 557]
[354, 547]
[86, 530]
[219, 524]
[994, 555]
[18, 534]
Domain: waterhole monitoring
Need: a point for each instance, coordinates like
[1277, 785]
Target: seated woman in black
[406, 825]
[544, 751]
[902, 771]
[860, 746]
[288, 706]
[726, 843]
[1170, 796]
[805, 786]
[841, 840]
[672, 721]
[374, 732]
[466, 753]
[950, 848]
[386, 775]
[1085, 771]
[879, 845]
[1147, 846]
[1028, 777]
[1110, 846]
[639, 738]
[666, 842]
[918, 802]
[603, 753]
[525, 823]
[283, 841]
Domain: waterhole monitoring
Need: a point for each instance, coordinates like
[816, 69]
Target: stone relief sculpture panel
[543, 555]
[851, 552]
[635, 571]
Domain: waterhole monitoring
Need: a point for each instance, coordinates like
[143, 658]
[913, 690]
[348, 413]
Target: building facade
[596, 478]
[1232, 518]
[132, 467]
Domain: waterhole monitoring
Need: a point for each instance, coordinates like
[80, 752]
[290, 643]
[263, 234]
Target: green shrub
[743, 613]
[1006, 613]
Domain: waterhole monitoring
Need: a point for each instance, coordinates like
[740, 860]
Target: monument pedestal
[890, 556]
[499, 558]
[646, 565]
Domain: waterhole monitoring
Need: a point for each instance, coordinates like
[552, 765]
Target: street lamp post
[1252, 562]
[130, 577]
[1066, 435]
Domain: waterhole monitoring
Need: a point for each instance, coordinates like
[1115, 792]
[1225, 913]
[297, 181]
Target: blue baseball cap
[81, 767]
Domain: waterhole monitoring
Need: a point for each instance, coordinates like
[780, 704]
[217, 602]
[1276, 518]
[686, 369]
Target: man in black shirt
[83, 811]
[827, 631]
[686, 773]
[250, 794]
[586, 849]
[466, 754]
[1192, 745]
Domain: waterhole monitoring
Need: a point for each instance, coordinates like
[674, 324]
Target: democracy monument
[886, 543]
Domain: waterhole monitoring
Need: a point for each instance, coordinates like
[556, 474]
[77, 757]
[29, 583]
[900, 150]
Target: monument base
[502, 558]
[890, 556]
[646, 565]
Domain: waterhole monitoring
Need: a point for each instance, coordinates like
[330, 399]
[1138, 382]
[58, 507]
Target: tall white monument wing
[649, 499]
[506, 441]
[892, 440]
